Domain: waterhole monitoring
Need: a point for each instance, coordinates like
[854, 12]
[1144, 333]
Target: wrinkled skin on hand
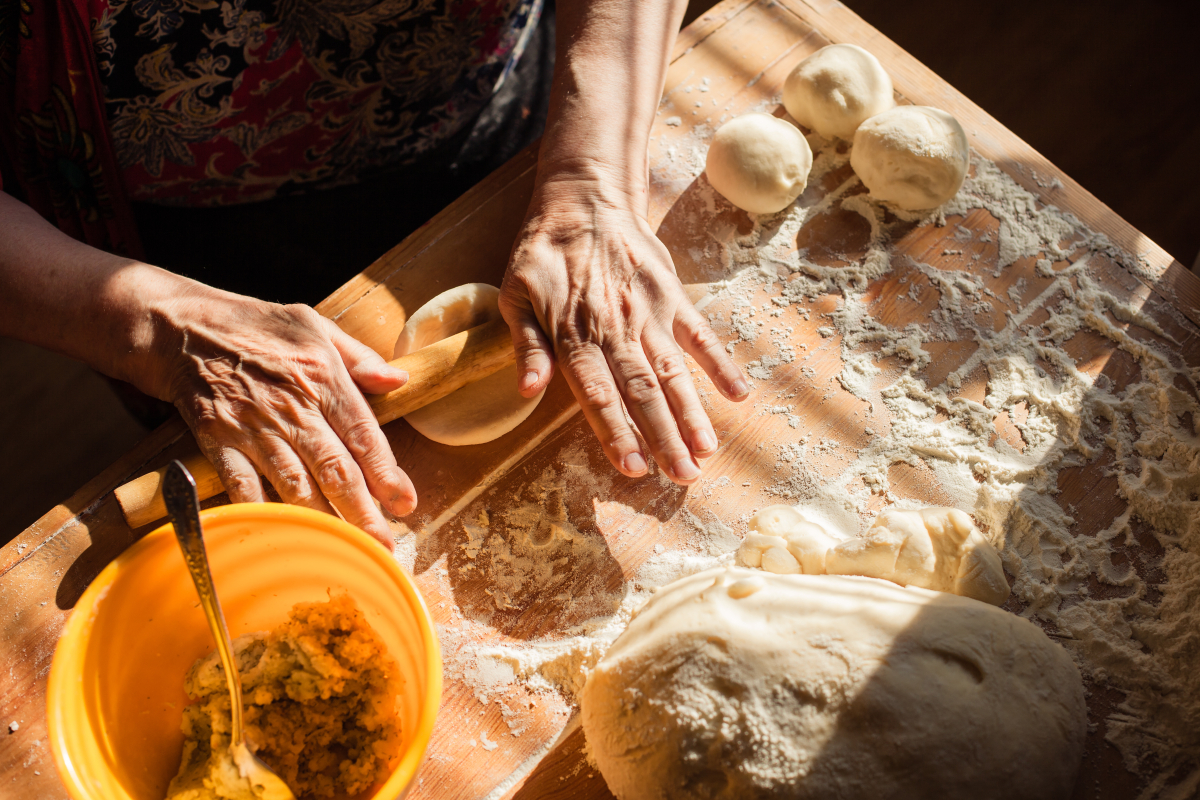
[280, 389]
[590, 286]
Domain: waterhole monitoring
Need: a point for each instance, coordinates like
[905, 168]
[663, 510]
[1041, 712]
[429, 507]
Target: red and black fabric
[219, 102]
[214, 103]
[54, 134]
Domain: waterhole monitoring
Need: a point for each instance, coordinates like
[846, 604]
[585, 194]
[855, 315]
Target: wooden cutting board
[731, 60]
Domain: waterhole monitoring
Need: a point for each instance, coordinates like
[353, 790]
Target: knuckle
[389, 481]
[312, 363]
[294, 484]
[213, 433]
[596, 387]
[200, 410]
[509, 291]
[241, 484]
[641, 387]
[380, 470]
[670, 367]
[360, 436]
[335, 475]
[702, 338]
[693, 424]
[619, 444]
[527, 345]
[305, 494]
[302, 312]
[598, 392]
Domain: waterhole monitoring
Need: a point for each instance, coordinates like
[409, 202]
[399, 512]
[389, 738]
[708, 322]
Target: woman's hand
[279, 390]
[263, 386]
[589, 285]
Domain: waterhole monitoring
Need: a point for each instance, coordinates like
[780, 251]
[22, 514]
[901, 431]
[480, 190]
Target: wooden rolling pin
[433, 372]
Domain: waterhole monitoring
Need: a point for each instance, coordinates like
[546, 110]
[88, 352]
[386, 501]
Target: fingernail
[705, 442]
[528, 380]
[685, 469]
[398, 374]
[741, 388]
[635, 464]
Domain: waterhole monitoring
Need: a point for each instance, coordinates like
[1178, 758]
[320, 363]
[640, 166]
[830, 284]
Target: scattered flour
[986, 353]
[1130, 616]
[541, 549]
[559, 664]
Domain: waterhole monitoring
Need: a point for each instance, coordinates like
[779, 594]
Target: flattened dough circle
[478, 412]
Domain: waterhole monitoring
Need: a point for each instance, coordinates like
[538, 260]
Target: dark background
[1110, 92]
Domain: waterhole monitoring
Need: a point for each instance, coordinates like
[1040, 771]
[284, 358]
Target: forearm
[611, 62]
[105, 310]
[269, 389]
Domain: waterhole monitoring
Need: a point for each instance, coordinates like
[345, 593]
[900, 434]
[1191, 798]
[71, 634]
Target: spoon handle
[183, 506]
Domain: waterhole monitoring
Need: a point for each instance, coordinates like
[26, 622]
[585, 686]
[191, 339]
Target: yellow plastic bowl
[115, 696]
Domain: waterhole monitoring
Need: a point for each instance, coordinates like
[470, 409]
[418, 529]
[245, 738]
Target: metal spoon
[183, 506]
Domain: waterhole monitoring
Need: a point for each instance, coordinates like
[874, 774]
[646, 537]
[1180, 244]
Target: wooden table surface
[740, 52]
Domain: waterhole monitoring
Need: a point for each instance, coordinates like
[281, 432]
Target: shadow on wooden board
[564, 773]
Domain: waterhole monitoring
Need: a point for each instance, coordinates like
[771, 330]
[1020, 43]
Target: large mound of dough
[835, 89]
[913, 156]
[934, 548]
[736, 683]
[478, 412]
[759, 163]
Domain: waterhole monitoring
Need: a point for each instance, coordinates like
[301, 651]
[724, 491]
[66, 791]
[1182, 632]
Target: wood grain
[745, 50]
[142, 502]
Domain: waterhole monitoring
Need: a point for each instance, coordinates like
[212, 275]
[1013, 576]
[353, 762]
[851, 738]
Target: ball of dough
[912, 156]
[478, 412]
[835, 89]
[759, 163]
[736, 683]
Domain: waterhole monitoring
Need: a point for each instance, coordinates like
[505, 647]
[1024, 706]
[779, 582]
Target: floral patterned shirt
[212, 102]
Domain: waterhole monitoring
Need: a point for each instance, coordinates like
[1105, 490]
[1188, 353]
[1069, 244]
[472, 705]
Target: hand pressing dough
[912, 156]
[735, 683]
[934, 548]
[478, 412]
[835, 89]
[759, 163]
